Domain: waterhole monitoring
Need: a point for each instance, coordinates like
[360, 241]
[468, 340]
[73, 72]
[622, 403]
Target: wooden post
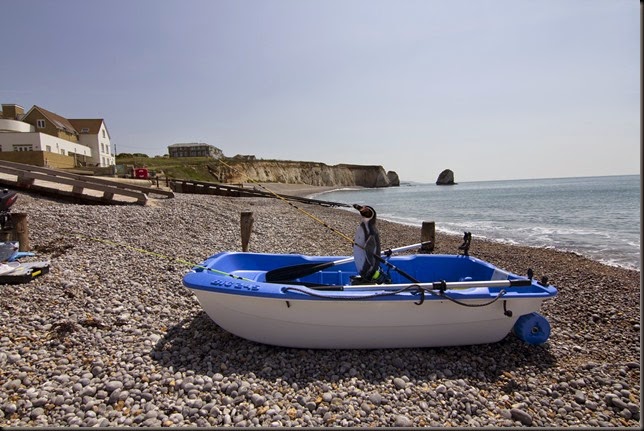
[18, 232]
[22, 230]
[428, 233]
[246, 228]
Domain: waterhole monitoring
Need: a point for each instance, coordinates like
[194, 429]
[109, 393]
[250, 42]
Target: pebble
[399, 383]
[110, 338]
[403, 421]
[521, 416]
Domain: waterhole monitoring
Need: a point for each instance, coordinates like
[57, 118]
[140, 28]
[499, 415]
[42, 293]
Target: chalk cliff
[312, 173]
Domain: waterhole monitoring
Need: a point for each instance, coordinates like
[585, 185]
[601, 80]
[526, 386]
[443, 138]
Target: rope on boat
[412, 288]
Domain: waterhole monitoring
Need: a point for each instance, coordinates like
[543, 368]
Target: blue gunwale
[238, 273]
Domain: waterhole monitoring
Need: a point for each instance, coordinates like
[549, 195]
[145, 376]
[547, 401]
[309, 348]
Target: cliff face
[312, 173]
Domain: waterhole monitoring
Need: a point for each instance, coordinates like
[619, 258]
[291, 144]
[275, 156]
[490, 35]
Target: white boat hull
[364, 324]
[461, 301]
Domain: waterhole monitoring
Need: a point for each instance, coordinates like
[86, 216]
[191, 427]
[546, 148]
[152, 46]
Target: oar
[296, 271]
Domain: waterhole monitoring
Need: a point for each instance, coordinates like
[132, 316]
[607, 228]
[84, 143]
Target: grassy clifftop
[276, 171]
[192, 168]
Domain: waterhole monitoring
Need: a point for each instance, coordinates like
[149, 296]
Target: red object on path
[141, 173]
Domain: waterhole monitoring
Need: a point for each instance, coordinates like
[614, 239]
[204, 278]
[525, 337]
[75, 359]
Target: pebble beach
[109, 337]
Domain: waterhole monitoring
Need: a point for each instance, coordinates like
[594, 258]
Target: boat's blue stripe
[231, 286]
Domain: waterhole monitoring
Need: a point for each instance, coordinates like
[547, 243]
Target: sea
[597, 217]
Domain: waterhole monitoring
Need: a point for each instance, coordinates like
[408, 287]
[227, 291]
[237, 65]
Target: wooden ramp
[58, 183]
[203, 187]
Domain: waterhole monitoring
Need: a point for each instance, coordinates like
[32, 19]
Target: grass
[193, 168]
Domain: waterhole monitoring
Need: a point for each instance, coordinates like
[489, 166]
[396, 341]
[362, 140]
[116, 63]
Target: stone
[521, 416]
[446, 178]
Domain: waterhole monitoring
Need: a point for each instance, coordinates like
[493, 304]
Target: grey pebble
[10, 408]
[618, 402]
[521, 416]
[403, 421]
[580, 397]
[113, 385]
[400, 383]
[375, 398]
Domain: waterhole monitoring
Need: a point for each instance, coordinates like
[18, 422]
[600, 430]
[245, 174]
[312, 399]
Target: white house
[94, 134]
[86, 140]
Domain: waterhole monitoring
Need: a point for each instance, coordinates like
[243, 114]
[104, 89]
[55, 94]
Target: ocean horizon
[596, 217]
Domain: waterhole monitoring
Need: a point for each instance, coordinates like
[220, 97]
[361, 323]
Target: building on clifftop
[196, 149]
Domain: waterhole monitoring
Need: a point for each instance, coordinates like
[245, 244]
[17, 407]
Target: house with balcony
[44, 138]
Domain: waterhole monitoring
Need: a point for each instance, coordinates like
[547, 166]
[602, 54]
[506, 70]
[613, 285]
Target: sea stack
[446, 178]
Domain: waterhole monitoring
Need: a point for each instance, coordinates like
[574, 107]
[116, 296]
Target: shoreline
[318, 193]
[110, 337]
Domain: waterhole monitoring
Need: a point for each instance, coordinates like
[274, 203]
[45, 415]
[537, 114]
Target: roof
[74, 126]
[61, 123]
[93, 126]
[193, 144]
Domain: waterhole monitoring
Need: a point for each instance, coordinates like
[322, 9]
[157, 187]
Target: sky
[491, 89]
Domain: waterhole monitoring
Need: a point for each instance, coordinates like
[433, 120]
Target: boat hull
[288, 315]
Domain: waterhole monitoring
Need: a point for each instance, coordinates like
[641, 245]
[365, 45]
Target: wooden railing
[61, 183]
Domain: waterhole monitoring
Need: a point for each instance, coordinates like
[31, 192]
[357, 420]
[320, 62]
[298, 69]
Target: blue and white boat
[312, 302]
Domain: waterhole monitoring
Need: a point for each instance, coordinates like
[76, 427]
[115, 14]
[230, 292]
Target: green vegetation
[192, 168]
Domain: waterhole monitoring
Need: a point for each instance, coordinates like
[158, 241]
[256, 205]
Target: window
[40, 124]
[84, 130]
[22, 148]
[103, 132]
[48, 148]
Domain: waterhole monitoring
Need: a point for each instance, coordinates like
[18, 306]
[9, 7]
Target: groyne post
[246, 222]
[19, 231]
[428, 233]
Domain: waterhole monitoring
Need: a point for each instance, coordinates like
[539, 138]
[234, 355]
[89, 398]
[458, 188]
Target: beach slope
[110, 337]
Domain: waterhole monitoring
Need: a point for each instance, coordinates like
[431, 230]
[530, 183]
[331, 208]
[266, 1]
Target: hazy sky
[496, 89]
